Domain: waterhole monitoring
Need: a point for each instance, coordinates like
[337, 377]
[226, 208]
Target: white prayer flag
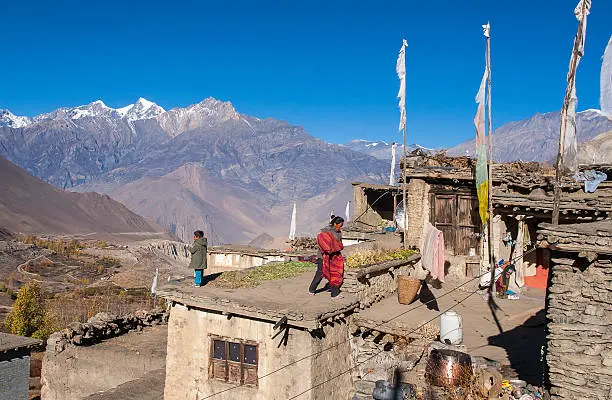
[392, 175]
[400, 68]
[293, 222]
[154, 285]
[570, 150]
[605, 94]
[486, 30]
[578, 9]
[347, 212]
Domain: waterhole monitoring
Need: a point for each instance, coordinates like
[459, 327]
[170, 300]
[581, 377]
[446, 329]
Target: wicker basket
[407, 289]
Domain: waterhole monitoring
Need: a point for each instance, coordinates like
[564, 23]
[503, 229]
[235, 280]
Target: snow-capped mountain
[380, 149]
[11, 120]
[207, 113]
[142, 109]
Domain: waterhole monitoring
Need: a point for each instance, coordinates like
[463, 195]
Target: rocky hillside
[205, 166]
[29, 205]
[597, 150]
[537, 138]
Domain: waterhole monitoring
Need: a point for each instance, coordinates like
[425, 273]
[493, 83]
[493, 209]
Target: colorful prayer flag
[482, 175]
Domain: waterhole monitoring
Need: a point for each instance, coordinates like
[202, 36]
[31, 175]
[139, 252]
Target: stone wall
[382, 356]
[579, 354]
[378, 284]
[101, 354]
[103, 326]
[418, 211]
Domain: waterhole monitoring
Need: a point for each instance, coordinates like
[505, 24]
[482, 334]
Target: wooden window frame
[243, 367]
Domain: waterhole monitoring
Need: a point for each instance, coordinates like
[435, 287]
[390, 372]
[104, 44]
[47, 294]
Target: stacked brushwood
[303, 243]
[421, 158]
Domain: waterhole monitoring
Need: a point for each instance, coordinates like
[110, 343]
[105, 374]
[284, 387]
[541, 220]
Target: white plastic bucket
[451, 328]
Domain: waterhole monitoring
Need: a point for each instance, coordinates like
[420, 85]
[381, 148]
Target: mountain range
[381, 149]
[205, 166]
[537, 138]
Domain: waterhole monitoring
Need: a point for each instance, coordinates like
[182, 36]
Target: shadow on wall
[523, 345]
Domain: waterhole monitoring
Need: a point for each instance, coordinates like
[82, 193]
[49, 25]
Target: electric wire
[369, 330]
[380, 351]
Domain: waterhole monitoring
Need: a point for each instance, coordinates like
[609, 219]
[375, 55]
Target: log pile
[303, 244]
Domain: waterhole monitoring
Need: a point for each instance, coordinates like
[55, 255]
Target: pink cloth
[433, 251]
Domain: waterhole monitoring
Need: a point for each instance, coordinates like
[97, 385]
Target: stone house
[442, 190]
[269, 342]
[15, 366]
[579, 310]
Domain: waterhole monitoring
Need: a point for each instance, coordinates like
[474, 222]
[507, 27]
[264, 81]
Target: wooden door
[458, 218]
[468, 225]
[444, 218]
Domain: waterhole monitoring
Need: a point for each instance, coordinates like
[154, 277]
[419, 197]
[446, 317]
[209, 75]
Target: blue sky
[326, 65]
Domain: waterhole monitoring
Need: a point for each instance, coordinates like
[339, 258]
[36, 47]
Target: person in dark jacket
[198, 257]
[335, 228]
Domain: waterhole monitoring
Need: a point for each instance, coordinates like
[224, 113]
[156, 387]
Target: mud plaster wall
[242, 261]
[579, 354]
[332, 362]
[188, 356]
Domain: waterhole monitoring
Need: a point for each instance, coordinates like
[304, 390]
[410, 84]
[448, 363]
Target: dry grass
[375, 256]
[256, 276]
[61, 247]
[80, 305]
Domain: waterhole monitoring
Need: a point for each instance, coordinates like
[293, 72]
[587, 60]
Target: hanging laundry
[433, 251]
[591, 179]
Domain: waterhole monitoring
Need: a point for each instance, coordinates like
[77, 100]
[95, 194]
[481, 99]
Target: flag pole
[490, 160]
[400, 68]
[571, 82]
[404, 193]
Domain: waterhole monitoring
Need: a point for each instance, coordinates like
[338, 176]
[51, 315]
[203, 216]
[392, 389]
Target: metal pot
[449, 368]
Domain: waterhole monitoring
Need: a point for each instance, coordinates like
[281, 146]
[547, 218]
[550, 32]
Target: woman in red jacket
[330, 264]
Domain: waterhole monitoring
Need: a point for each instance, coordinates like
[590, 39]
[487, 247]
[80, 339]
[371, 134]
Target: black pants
[335, 290]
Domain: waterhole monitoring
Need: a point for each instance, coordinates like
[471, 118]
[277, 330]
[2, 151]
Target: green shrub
[28, 313]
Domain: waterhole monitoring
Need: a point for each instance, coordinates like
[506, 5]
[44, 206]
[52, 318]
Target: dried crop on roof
[256, 276]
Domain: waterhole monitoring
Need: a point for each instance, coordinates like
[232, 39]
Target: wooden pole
[490, 169]
[404, 194]
[571, 81]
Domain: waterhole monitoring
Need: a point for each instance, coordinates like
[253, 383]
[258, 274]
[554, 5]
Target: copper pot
[448, 368]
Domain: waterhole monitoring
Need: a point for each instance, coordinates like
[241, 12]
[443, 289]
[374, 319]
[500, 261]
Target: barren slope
[29, 205]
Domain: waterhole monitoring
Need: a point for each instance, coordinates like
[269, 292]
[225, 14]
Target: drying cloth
[433, 251]
[591, 179]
